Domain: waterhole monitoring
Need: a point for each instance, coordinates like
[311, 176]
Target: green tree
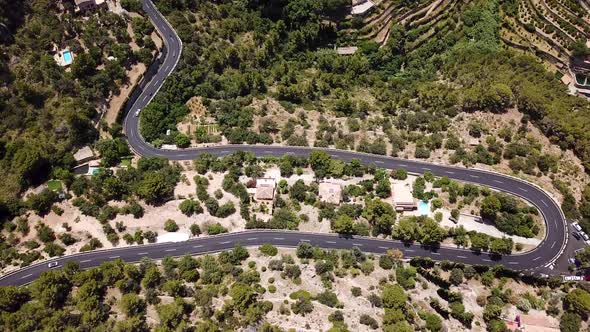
[195, 230]
[456, 277]
[182, 141]
[41, 203]
[343, 224]
[394, 297]
[578, 301]
[171, 315]
[433, 322]
[501, 246]
[570, 322]
[490, 206]
[133, 324]
[430, 232]
[112, 150]
[320, 163]
[52, 288]
[132, 305]
[380, 214]
[406, 229]
[154, 188]
[12, 298]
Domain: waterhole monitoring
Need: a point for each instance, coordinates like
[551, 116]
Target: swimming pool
[67, 57]
[423, 208]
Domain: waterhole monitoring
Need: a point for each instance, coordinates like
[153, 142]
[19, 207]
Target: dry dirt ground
[570, 168]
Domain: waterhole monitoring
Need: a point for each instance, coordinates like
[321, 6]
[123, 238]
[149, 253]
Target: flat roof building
[84, 5]
[330, 192]
[361, 7]
[83, 155]
[403, 200]
[349, 50]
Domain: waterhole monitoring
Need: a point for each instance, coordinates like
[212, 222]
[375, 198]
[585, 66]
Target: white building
[361, 7]
[403, 200]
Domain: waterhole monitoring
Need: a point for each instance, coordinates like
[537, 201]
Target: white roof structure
[402, 196]
[362, 8]
[349, 50]
[172, 237]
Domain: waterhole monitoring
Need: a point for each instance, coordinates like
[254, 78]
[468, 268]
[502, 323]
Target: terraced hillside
[549, 29]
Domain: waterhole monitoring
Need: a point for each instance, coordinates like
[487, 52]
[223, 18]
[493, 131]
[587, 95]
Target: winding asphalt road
[539, 258]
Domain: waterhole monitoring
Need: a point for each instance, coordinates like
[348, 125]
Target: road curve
[546, 253]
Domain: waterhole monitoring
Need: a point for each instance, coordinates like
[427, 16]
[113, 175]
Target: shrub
[53, 249]
[369, 321]
[195, 230]
[189, 207]
[386, 262]
[215, 229]
[375, 300]
[150, 236]
[367, 267]
[268, 249]
[456, 277]
[93, 244]
[170, 226]
[356, 291]
[327, 298]
[44, 233]
[67, 239]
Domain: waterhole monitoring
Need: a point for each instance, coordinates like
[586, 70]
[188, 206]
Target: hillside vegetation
[48, 111]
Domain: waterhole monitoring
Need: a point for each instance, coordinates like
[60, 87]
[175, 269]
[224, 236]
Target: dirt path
[117, 102]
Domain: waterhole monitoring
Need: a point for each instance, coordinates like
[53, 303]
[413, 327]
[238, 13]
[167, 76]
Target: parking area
[575, 243]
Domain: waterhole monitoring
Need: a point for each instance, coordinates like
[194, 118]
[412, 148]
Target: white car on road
[137, 112]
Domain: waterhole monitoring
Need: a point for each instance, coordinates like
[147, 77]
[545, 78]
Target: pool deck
[64, 58]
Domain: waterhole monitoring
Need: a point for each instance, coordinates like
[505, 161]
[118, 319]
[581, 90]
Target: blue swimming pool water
[423, 208]
[67, 57]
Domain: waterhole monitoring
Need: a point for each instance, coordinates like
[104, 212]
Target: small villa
[83, 155]
[86, 5]
[64, 58]
[330, 192]
[580, 72]
[265, 189]
[403, 200]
